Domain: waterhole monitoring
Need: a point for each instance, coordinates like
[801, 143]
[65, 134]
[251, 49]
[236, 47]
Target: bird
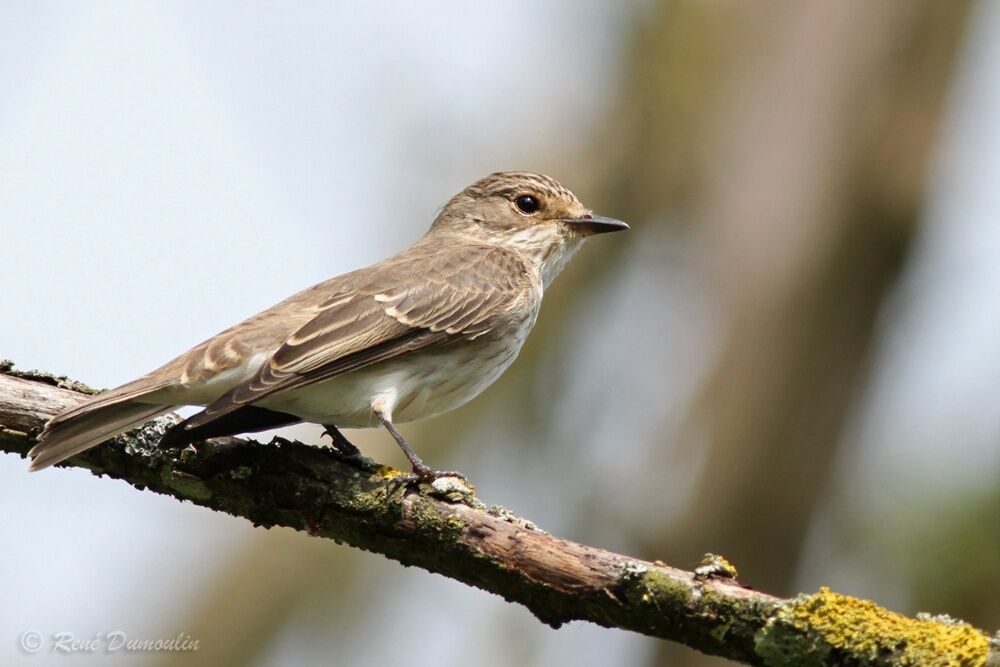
[410, 337]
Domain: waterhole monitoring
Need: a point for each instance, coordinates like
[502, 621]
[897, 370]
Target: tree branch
[443, 528]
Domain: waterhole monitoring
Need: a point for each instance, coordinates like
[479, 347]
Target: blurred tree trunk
[795, 138]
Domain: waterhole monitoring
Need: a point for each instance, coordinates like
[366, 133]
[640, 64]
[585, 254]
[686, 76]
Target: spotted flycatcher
[413, 336]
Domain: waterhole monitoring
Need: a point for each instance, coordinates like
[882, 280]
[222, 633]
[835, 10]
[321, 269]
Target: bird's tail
[89, 424]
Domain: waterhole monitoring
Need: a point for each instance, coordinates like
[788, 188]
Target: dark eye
[527, 204]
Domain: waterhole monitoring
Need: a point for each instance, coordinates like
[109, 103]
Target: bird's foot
[340, 443]
[422, 473]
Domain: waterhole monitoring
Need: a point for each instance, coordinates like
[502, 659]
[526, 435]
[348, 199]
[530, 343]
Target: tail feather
[88, 425]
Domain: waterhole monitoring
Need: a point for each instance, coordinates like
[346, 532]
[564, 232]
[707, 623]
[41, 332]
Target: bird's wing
[418, 301]
[180, 381]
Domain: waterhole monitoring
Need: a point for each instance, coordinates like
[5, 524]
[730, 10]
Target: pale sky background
[167, 169]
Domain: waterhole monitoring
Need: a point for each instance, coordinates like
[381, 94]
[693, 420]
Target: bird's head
[531, 213]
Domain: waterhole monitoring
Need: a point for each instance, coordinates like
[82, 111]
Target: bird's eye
[527, 204]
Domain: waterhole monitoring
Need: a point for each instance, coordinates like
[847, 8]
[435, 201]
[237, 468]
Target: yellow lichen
[862, 629]
[714, 566]
[388, 472]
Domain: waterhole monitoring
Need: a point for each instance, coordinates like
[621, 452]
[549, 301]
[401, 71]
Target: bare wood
[443, 528]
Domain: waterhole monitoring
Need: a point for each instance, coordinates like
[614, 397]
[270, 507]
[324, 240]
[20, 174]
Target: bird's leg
[421, 471]
[340, 442]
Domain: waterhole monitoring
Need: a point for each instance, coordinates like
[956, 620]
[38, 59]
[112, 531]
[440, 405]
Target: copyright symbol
[31, 641]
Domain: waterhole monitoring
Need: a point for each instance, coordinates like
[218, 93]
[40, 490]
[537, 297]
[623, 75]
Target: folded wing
[427, 299]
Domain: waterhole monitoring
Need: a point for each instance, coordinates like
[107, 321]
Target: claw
[340, 443]
[422, 474]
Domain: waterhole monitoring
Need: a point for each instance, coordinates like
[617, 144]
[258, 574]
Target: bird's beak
[595, 224]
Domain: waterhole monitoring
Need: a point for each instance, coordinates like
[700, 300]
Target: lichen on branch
[444, 528]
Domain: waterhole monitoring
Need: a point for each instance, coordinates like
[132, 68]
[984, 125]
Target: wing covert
[403, 305]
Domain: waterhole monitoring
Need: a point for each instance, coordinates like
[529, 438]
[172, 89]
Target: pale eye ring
[527, 204]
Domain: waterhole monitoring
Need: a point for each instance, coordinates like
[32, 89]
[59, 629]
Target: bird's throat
[556, 257]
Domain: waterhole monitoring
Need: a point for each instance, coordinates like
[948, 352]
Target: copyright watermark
[115, 641]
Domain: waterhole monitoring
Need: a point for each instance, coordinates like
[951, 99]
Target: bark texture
[444, 528]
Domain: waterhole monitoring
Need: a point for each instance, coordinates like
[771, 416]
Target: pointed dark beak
[596, 224]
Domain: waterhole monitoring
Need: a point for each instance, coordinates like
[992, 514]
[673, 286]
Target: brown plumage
[414, 335]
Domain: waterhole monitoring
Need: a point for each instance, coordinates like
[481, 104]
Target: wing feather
[418, 301]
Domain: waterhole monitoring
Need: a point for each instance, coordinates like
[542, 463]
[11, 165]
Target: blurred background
[793, 358]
